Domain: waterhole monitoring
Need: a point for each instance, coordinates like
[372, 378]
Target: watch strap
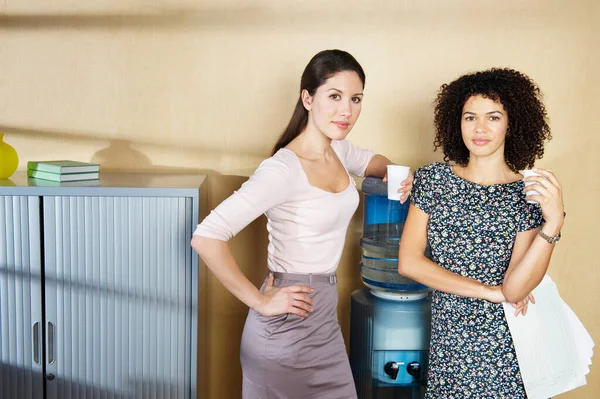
[549, 239]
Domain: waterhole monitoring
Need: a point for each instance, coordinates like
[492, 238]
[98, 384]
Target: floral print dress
[471, 231]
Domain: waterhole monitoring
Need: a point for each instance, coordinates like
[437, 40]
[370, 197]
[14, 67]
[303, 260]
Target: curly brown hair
[521, 97]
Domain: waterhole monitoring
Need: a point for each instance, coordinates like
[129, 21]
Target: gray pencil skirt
[288, 356]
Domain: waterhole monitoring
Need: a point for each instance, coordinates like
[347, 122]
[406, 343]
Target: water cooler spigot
[414, 369]
[392, 368]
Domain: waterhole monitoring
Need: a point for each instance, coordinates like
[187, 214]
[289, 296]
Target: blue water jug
[382, 231]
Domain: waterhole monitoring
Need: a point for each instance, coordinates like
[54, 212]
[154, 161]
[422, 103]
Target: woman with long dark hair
[292, 346]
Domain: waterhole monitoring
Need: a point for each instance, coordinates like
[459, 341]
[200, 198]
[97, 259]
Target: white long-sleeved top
[307, 225]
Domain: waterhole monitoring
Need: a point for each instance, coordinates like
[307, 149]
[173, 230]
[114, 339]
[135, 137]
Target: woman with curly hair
[488, 244]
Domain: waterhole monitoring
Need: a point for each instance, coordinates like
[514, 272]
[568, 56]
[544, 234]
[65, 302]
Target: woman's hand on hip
[291, 299]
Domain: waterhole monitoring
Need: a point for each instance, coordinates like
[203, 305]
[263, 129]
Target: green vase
[9, 160]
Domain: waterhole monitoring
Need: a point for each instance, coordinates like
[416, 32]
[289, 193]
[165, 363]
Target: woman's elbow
[512, 295]
[200, 244]
[405, 263]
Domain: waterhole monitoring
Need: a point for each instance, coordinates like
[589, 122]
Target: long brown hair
[321, 67]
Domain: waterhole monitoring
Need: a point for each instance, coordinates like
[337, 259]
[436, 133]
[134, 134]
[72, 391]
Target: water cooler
[390, 319]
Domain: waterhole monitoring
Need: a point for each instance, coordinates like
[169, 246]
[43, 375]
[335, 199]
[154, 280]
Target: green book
[63, 166]
[50, 183]
[38, 174]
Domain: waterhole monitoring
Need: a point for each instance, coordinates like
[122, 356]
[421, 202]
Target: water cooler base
[395, 392]
[389, 345]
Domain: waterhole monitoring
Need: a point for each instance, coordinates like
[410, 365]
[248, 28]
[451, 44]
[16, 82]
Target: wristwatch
[549, 239]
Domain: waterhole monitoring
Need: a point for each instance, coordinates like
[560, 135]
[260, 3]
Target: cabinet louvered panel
[20, 298]
[118, 290]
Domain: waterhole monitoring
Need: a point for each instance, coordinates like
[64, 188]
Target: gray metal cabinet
[98, 288]
[21, 363]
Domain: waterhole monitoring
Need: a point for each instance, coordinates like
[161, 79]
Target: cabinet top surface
[20, 184]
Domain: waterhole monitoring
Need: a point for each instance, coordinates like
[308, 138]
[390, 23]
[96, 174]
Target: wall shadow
[272, 15]
[123, 142]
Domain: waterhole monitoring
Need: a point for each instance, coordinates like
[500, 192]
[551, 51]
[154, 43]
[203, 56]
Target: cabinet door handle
[50, 342]
[36, 342]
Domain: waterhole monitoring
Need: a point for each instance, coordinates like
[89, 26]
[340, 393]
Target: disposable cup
[527, 173]
[395, 175]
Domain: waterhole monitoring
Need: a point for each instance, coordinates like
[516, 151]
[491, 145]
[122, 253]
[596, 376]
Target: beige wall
[192, 85]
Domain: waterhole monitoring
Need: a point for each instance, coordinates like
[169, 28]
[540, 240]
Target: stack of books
[63, 171]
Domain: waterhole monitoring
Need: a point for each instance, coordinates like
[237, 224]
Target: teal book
[38, 174]
[63, 167]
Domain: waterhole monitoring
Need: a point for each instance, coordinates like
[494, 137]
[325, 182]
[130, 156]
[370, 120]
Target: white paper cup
[395, 175]
[527, 173]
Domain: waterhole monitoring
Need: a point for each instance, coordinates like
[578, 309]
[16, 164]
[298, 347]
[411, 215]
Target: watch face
[555, 239]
